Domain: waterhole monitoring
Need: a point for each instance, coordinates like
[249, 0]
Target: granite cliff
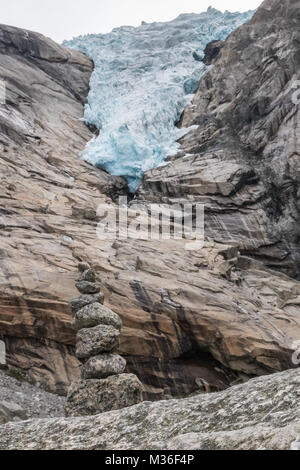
[192, 321]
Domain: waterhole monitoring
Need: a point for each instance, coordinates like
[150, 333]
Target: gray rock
[212, 51]
[36, 402]
[105, 365]
[296, 444]
[86, 287]
[94, 315]
[88, 275]
[87, 213]
[261, 414]
[83, 266]
[97, 340]
[84, 300]
[197, 56]
[90, 397]
[11, 412]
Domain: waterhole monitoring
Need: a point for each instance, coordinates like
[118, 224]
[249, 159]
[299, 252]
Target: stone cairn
[103, 386]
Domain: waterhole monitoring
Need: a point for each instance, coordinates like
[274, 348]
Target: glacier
[143, 79]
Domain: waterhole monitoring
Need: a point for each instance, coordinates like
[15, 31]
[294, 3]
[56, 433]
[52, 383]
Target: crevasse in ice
[143, 78]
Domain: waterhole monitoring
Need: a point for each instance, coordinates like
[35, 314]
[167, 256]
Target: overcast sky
[63, 19]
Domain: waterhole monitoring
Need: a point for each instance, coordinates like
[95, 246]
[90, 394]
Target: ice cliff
[143, 79]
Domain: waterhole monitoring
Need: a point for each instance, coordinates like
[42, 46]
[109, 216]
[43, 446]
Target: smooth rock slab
[84, 300]
[86, 287]
[105, 365]
[94, 315]
[91, 397]
[261, 414]
[97, 340]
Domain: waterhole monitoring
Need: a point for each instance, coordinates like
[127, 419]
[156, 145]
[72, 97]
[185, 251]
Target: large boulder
[97, 340]
[94, 315]
[260, 414]
[90, 397]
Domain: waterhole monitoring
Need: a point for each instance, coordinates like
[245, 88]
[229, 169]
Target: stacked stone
[104, 385]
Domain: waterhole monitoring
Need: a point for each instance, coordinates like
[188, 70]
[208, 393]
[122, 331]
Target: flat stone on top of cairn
[104, 385]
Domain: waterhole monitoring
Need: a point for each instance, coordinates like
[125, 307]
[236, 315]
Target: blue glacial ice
[143, 79]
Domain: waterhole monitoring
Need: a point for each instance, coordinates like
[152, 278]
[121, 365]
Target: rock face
[47, 196]
[242, 160]
[91, 397]
[261, 414]
[212, 51]
[192, 321]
